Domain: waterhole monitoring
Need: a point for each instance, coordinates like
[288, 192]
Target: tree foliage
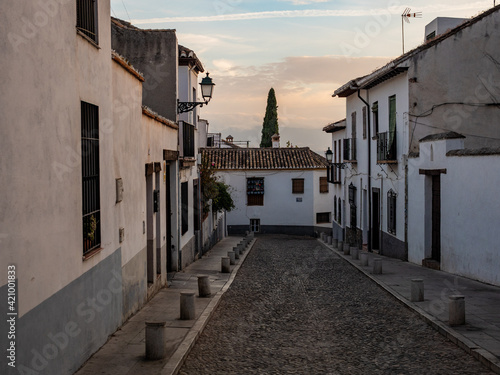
[213, 190]
[270, 124]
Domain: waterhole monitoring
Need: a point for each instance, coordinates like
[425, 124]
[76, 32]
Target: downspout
[369, 170]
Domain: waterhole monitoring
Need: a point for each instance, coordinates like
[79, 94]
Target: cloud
[308, 13]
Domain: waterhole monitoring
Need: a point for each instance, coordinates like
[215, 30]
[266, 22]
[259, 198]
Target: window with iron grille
[322, 217]
[86, 18]
[323, 185]
[335, 208]
[339, 212]
[255, 191]
[188, 139]
[297, 186]
[352, 203]
[91, 201]
[196, 205]
[391, 212]
[255, 225]
[184, 203]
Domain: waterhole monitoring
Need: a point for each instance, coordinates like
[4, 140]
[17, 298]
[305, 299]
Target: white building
[454, 212]
[449, 83]
[275, 190]
[336, 177]
[85, 187]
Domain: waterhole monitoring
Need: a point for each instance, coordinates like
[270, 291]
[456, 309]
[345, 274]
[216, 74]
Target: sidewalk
[480, 336]
[124, 353]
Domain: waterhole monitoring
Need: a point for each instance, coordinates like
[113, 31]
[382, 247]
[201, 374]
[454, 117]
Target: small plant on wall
[214, 192]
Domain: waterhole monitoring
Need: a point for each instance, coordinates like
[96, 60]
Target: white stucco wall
[469, 211]
[44, 78]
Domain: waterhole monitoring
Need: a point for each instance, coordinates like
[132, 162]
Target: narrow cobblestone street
[297, 308]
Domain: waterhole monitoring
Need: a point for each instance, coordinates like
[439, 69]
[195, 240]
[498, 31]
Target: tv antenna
[405, 17]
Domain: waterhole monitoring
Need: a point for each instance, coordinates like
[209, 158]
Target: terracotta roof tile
[264, 158]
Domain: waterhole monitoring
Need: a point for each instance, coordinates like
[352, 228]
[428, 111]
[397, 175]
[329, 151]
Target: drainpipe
[369, 170]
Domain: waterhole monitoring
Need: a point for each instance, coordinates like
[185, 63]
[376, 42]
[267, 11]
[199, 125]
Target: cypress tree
[270, 125]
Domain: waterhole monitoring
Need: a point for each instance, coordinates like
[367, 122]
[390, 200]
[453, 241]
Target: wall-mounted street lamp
[329, 155]
[207, 88]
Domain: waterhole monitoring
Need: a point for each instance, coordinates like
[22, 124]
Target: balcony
[350, 150]
[333, 173]
[386, 148]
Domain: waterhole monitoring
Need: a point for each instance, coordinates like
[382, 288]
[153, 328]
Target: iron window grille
[297, 186]
[91, 201]
[86, 18]
[255, 225]
[185, 207]
[391, 211]
[352, 203]
[339, 212]
[188, 139]
[350, 149]
[255, 191]
[386, 147]
[335, 208]
[322, 217]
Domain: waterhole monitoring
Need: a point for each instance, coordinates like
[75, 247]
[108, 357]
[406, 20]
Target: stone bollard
[417, 290]
[329, 240]
[354, 252]
[236, 250]
[225, 265]
[456, 310]
[340, 246]
[187, 306]
[232, 257]
[156, 347]
[204, 286]
[377, 266]
[335, 243]
[347, 248]
[364, 259]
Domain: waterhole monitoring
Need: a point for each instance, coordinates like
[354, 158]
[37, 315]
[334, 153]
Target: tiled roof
[264, 158]
[336, 126]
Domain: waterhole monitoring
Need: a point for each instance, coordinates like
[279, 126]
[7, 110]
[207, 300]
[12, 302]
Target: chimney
[276, 140]
[229, 139]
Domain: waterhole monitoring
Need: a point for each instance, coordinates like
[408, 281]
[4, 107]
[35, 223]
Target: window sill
[387, 162]
[91, 41]
[91, 253]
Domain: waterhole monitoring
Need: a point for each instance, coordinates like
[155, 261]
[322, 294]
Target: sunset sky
[304, 49]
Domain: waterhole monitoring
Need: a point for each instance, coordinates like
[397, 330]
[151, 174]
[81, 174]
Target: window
[255, 191]
[86, 18]
[364, 122]
[184, 208]
[255, 225]
[391, 212]
[352, 203]
[375, 118]
[91, 201]
[188, 139]
[297, 186]
[323, 185]
[322, 217]
[353, 124]
[196, 205]
[335, 208]
[339, 212]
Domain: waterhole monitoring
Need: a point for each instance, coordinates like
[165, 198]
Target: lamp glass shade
[207, 87]
[329, 155]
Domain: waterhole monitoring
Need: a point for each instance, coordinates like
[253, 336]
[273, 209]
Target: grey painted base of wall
[295, 230]
[393, 247]
[135, 287]
[338, 232]
[354, 236]
[60, 334]
[188, 253]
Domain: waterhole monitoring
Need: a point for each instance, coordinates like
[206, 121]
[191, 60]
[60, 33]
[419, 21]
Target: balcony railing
[333, 173]
[350, 149]
[386, 147]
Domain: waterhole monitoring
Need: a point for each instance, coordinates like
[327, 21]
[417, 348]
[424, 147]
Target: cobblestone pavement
[296, 308]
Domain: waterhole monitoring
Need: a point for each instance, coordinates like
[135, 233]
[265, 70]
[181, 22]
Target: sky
[304, 49]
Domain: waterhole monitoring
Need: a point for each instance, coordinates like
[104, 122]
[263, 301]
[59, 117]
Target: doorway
[375, 219]
[436, 218]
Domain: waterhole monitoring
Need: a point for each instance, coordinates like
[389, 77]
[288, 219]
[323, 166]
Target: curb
[175, 362]
[482, 355]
